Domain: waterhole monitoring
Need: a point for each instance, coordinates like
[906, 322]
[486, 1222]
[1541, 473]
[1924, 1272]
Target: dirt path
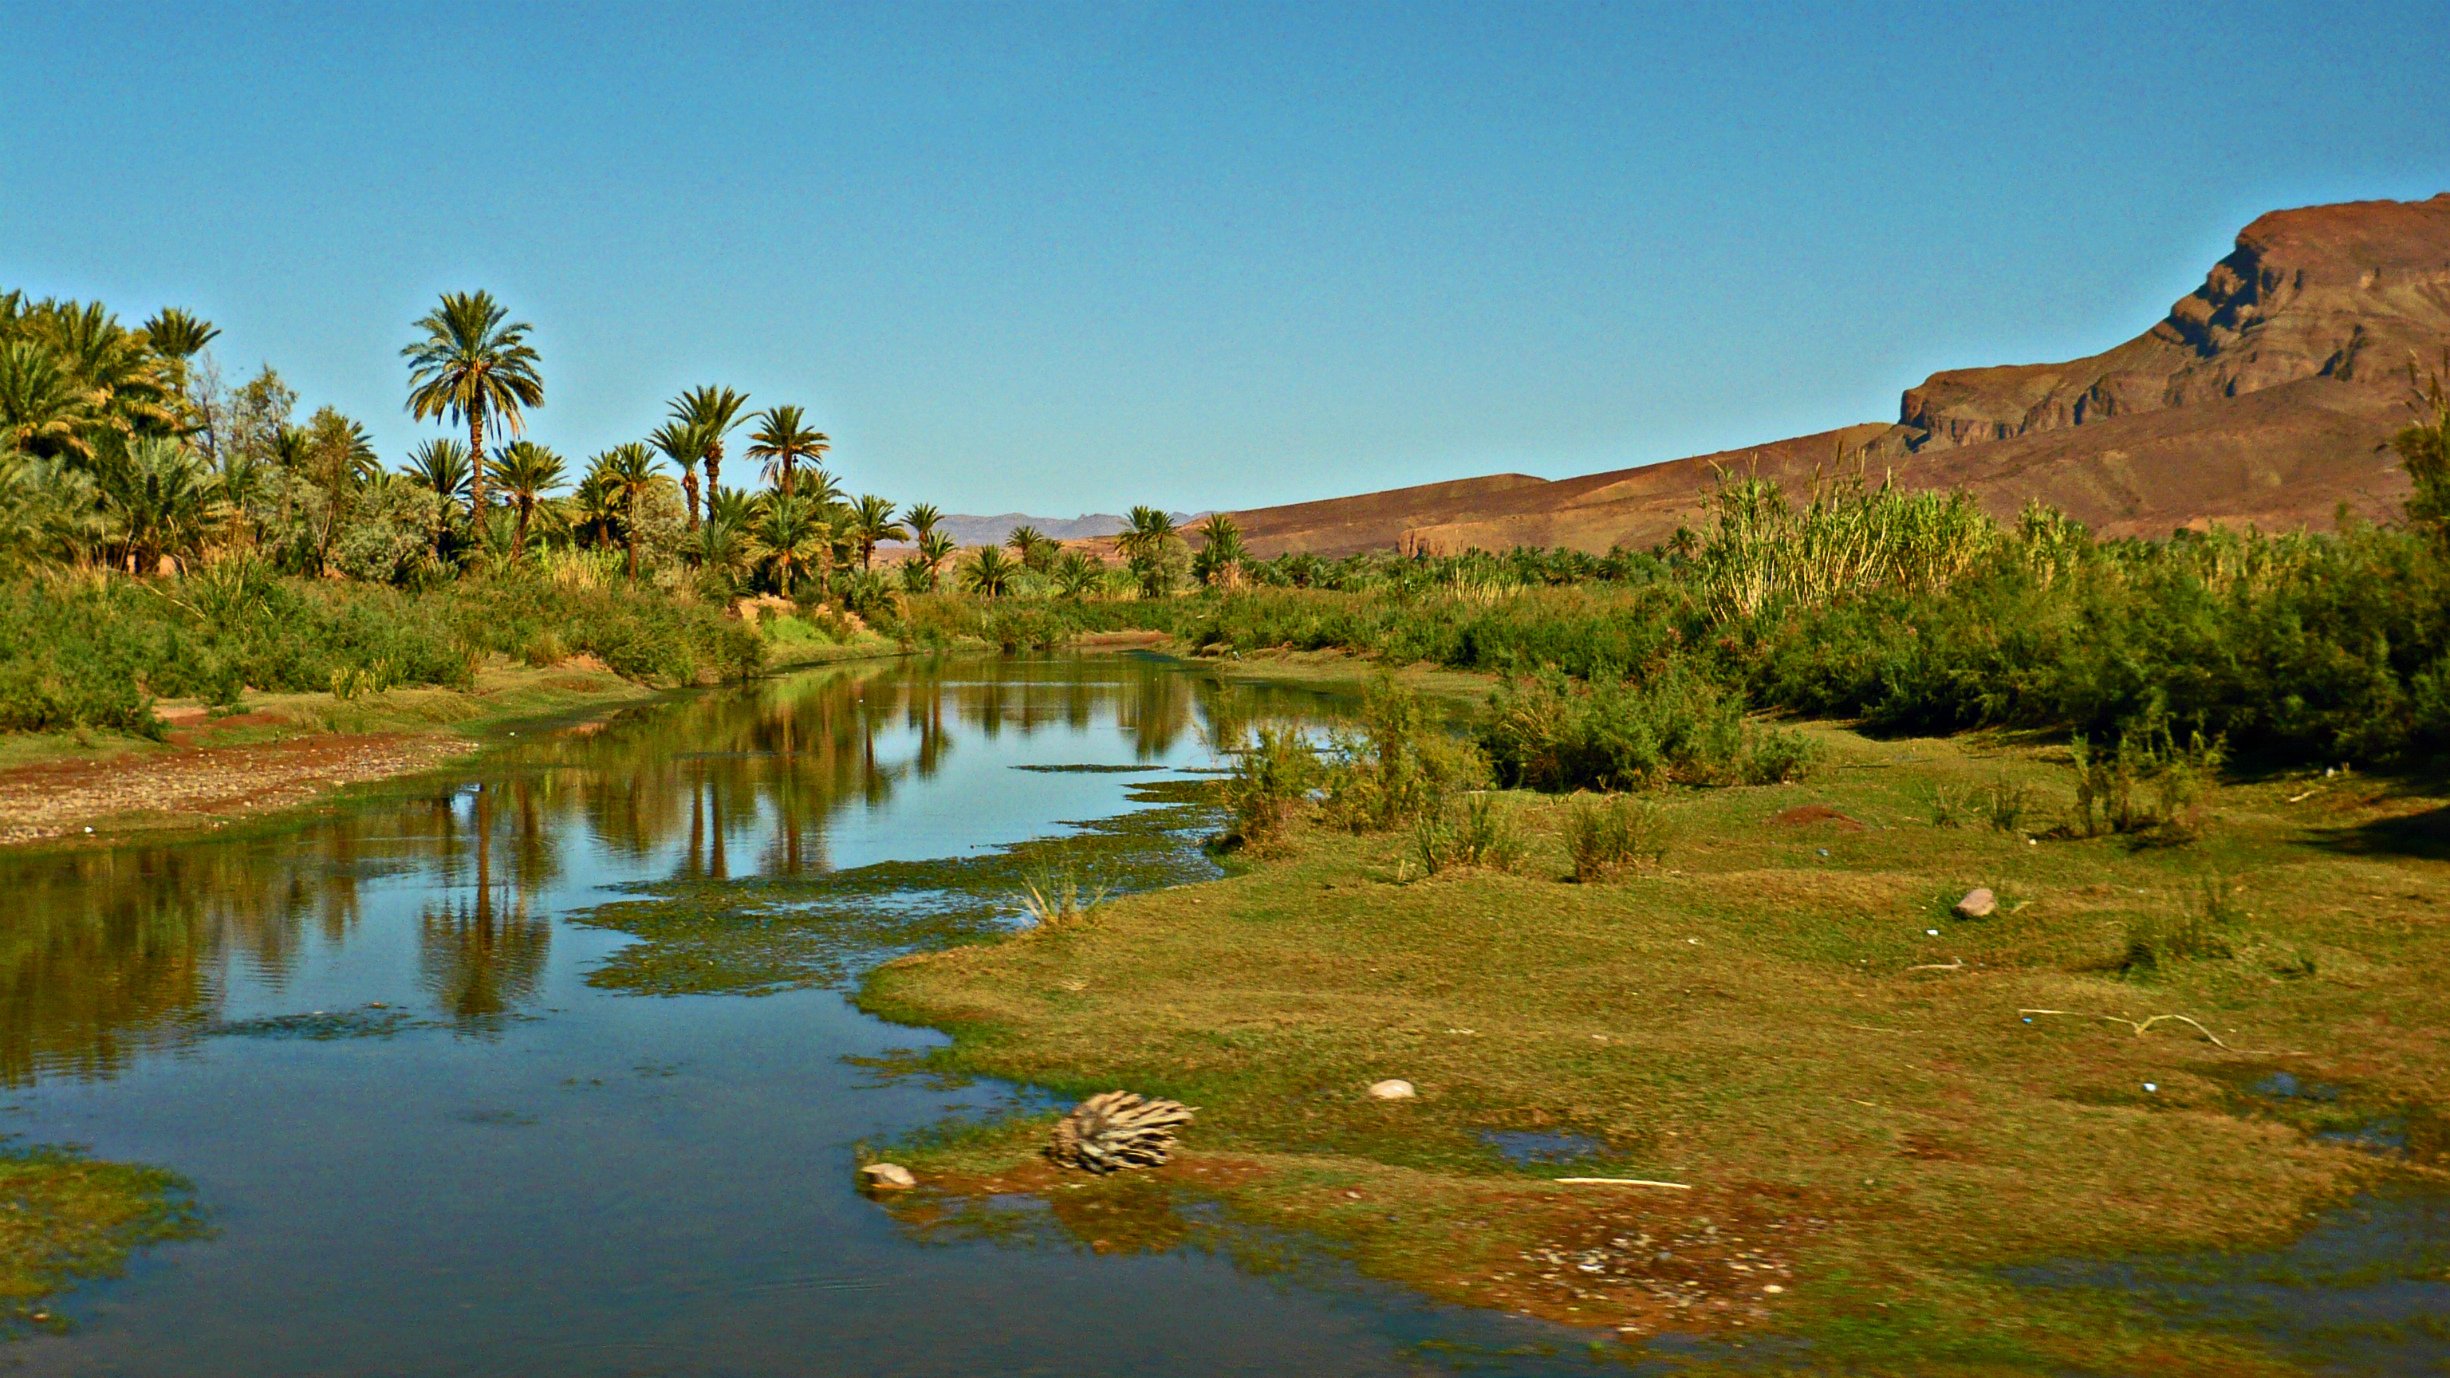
[199, 786]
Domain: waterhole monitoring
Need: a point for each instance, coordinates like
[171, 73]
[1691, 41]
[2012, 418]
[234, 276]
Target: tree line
[122, 448]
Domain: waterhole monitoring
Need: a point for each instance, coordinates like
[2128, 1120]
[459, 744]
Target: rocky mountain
[975, 530]
[2266, 395]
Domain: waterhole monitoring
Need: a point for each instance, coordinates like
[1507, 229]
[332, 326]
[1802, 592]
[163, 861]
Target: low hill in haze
[2266, 395]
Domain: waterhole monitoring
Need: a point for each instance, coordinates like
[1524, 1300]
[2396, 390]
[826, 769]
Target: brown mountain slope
[2266, 395]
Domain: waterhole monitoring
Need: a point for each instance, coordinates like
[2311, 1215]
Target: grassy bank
[1782, 1014]
[65, 1218]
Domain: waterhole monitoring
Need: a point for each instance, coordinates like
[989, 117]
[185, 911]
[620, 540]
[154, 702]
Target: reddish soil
[1803, 814]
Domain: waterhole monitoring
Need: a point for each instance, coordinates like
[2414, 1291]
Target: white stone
[887, 1177]
[1393, 1088]
[1978, 903]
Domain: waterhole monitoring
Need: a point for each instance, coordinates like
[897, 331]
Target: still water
[549, 1068]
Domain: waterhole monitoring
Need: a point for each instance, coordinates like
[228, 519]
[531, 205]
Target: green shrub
[1675, 726]
[1478, 831]
[1270, 781]
[1399, 765]
[1609, 836]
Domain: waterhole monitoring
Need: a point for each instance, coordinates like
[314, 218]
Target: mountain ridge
[2266, 395]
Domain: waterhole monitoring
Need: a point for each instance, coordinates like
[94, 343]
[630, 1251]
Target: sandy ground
[202, 786]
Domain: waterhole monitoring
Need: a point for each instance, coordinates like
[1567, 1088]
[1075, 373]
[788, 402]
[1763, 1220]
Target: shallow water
[449, 1114]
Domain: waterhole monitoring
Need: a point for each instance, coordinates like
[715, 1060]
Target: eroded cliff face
[2266, 396]
[2342, 292]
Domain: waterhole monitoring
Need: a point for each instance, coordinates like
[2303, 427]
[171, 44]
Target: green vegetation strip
[66, 1218]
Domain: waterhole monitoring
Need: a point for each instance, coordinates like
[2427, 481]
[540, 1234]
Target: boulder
[1393, 1088]
[1979, 903]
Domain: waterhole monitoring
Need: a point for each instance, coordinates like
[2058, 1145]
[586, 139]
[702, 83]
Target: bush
[1270, 781]
[1399, 766]
[1480, 833]
[1608, 837]
[1550, 734]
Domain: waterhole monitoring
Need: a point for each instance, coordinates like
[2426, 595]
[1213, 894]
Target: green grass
[1771, 1019]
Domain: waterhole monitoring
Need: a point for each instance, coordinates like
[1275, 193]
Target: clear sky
[1060, 258]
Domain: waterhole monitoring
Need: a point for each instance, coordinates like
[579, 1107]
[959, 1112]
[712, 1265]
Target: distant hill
[972, 530]
[2265, 396]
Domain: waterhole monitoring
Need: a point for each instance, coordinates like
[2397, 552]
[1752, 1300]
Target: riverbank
[279, 751]
[1867, 1107]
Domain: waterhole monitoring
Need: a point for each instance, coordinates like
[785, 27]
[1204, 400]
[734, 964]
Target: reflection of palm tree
[478, 964]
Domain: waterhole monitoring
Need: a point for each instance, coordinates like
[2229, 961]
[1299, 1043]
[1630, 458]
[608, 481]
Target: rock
[1979, 903]
[887, 1177]
[1393, 1088]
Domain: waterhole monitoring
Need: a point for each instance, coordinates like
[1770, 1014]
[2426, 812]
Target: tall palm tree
[473, 365]
[713, 411]
[782, 439]
[526, 472]
[871, 523]
[176, 334]
[631, 468]
[684, 445]
[923, 519]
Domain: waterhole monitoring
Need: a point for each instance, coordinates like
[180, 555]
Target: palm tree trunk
[714, 465]
[689, 487]
[629, 535]
[476, 467]
[518, 537]
[786, 475]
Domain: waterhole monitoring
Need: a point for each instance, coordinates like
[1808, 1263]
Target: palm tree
[597, 502]
[1032, 545]
[1221, 556]
[935, 548]
[1146, 544]
[473, 365]
[1148, 530]
[871, 523]
[161, 499]
[988, 574]
[732, 506]
[526, 472]
[790, 537]
[175, 334]
[42, 410]
[1077, 573]
[684, 445]
[441, 465]
[782, 439]
[631, 468]
[923, 519]
[713, 411]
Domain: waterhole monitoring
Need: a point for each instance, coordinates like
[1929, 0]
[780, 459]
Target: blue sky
[1062, 258]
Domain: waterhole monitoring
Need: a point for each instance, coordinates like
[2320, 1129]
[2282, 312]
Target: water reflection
[108, 956]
